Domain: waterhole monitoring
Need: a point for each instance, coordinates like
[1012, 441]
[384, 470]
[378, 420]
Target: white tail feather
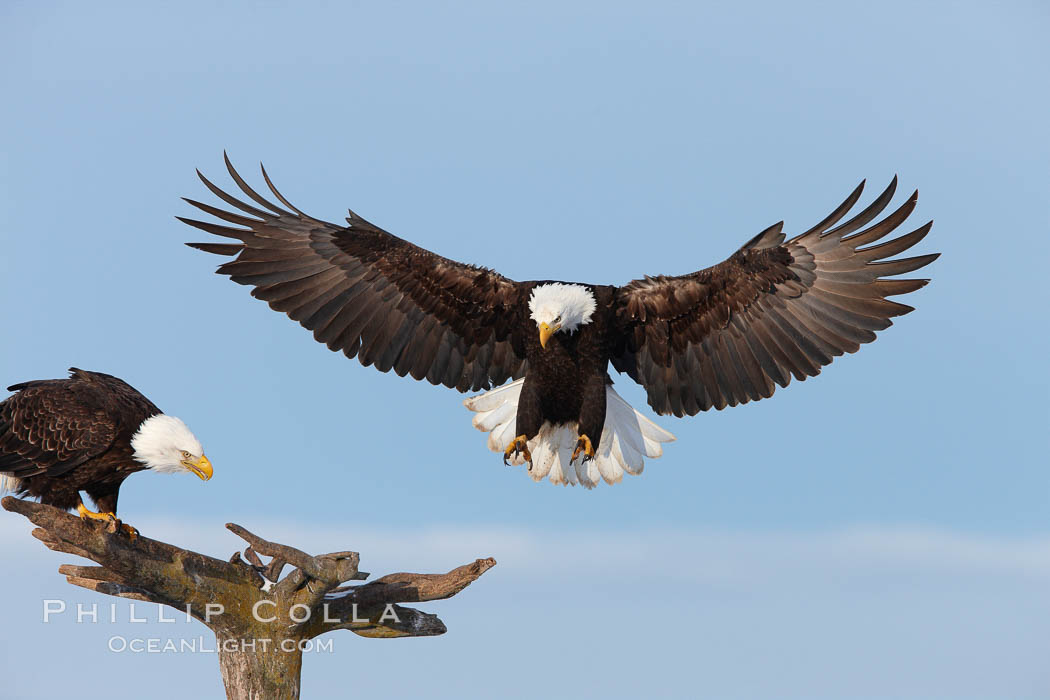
[627, 439]
[9, 484]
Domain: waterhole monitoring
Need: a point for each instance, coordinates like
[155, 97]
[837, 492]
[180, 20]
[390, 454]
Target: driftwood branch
[245, 599]
[332, 568]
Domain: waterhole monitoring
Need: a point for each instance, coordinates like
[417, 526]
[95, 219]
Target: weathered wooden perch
[260, 620]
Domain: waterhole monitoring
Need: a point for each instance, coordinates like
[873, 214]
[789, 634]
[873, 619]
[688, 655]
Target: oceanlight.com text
[200, 645]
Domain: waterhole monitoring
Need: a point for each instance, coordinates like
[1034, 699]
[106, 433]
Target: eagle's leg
[109, 517]
[592, 416]
[518, 445]
[527, 422]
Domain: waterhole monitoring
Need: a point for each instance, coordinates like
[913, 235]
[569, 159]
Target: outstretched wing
[371, 294]
[47, 427]
[775, 309]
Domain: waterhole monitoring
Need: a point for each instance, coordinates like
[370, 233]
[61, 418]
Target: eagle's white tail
[627, 439]
[9, 484]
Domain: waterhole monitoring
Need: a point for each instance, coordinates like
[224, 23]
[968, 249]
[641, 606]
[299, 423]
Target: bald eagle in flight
[718, 337]
[88, 433]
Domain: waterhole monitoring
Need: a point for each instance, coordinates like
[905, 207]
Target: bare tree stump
[261, 620]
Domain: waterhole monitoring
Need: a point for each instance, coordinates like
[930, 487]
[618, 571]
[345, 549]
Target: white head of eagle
[164, 444]
[560, 307]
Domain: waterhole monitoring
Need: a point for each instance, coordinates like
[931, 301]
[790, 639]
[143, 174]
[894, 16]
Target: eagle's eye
[185, 454]
[557, 318]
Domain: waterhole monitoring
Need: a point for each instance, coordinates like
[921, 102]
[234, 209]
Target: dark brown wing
[727, 334]
[53, 425]
[371, 294]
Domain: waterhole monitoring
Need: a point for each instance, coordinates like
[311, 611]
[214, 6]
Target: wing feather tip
[228, 249]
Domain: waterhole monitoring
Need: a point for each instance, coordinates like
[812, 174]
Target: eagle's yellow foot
[583, 445]
[518, 445]
[86, 514]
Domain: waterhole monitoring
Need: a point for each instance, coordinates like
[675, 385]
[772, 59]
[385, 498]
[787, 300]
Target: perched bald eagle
[88, 433]
[722, 336]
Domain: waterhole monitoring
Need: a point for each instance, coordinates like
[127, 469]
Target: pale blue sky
[598, 142]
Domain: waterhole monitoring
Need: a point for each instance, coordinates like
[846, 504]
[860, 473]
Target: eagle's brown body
[566, 380]
[62, 436]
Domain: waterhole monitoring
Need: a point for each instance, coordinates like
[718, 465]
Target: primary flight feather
[718, 337]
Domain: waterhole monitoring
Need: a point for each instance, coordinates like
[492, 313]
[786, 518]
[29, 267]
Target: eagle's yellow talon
[583, 445]
[86, 514]
[518, 444]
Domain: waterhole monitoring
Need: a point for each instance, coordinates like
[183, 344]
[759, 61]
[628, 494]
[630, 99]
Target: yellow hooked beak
[201, 467]
[546, 331]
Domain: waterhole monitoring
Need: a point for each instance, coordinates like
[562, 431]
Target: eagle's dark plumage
[722, 336]
[773, 310]
[372, 295]
[59, 437]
